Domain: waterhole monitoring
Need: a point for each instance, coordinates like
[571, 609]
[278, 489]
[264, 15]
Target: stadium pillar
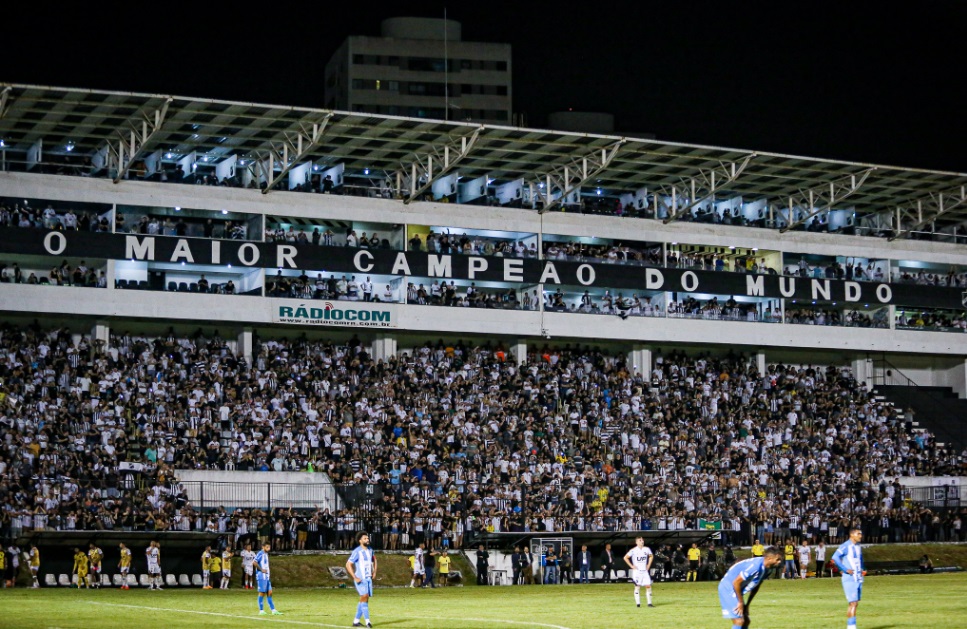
[639, 360]
[245, 345]
[384, 347]
[891, 309]
[520, 351]
[760, 363]
[109, 273]
[863, 370]
[101, 332]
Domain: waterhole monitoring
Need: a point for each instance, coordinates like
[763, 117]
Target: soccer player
[153, 555]
[124, 565]
[216, 570]
[419, 569]
[849, 559]
[263, 579]
[95, 555]
[34, 561]
[206, 568]
[694, 555]
[80, 568]
[804, 559]
[248, 567]
[745, 577]
[361, 566]
[226, 568]
[639, 560]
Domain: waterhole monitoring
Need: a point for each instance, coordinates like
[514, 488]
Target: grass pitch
[935, 601]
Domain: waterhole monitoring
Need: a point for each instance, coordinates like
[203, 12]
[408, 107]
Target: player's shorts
[728, 601]
[365, 587]
[154, 569]
[206, 573]
[419, 573]
[263, 584]
[227, 574]
[81, 574]
[693, 564]
[249, 570]
[34, 569]
[853, 588]
[124, 569]
[641, 578]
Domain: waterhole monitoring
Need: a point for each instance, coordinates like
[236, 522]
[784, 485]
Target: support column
[100, 336]
[520, 351]
[863, 370]
[639, 361]
[760, 363]
[384, 347]
[110, 273]
[245, 345]
[891, 313]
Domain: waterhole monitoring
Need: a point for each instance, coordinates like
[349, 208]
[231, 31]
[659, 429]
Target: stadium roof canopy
[412, 152]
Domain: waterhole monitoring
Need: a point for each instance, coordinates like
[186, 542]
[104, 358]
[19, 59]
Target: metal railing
[938, 497]
[207, 495]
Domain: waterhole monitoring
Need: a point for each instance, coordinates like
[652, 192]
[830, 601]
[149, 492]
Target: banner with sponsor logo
[340, 313]
[527, 271]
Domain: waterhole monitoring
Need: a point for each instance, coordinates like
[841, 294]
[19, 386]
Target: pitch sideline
[315, 624]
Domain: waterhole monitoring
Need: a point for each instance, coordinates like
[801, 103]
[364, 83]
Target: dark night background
[860, 81]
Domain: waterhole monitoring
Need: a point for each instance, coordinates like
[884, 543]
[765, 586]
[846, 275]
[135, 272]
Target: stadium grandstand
[263, 322]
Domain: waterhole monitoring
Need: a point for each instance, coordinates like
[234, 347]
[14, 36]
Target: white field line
[321, 624]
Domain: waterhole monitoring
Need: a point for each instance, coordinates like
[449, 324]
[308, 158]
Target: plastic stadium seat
[118, 580]
[144, 580]
[50, 580]
[196, 580]
[73, 579]
[183, 580]
[621, 574]
[132, 580]
[182, 287]
[193, 288]
[172, 286]
[121, 284]
[105, 580]
[63, 580]
[143, 285]
[171, 580]
[598, 575]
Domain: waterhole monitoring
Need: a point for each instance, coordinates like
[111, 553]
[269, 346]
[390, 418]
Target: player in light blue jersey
[362, 568]
[263, 579]
[849, 559]
[745, 577]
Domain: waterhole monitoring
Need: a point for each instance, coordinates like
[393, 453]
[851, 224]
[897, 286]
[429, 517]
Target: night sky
[858, 81]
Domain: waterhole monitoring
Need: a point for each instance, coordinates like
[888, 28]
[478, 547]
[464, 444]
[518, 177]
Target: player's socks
[271, 604]
[261, 604]
[365, 609]
[359, 611]
[637, 597]
[648, 595]
[851, 623]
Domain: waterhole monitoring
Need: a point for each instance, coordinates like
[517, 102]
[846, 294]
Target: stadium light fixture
[365, 171]
[177, 208]
[70, 146]
[2, 144]
[224, 211]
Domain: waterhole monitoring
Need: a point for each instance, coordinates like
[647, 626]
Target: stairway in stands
[937, 409]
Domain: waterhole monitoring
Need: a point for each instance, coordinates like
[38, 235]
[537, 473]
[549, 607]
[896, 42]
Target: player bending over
[639, 560]
[744, 577]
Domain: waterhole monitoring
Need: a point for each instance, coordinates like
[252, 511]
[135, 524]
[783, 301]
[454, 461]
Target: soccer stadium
[535, 370]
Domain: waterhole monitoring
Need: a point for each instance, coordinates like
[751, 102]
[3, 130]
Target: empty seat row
[117, 580]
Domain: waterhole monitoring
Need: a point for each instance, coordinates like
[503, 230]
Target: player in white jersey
[248, 567]
[639, 559]
[419, 569]
[803, 559]
[153, 555]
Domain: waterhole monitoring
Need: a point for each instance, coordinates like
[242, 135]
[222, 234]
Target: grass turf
[935, 601]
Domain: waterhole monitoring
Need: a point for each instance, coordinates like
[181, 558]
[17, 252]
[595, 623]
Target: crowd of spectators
[830, 316]
[939, 320]
[17, 215]
[63, 275]
[452, 439]
[151, 225]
